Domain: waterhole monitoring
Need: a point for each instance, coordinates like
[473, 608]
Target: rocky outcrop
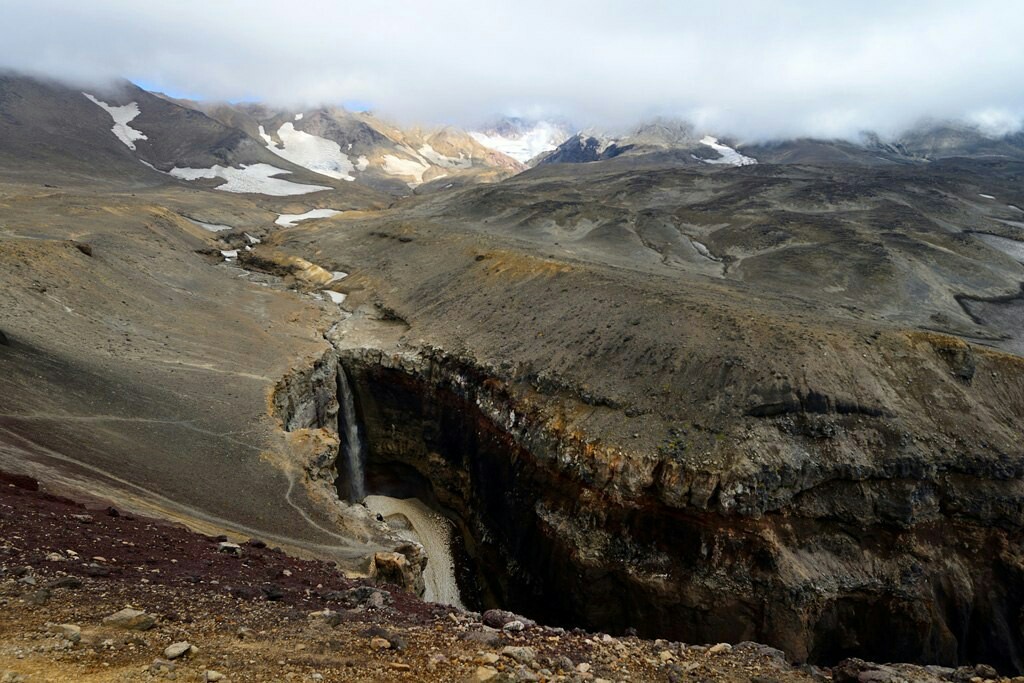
[305, 401]
[905, 557]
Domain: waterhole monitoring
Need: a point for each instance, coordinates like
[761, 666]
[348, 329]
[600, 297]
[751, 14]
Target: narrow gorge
[903, 563]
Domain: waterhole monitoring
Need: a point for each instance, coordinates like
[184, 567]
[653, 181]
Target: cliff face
[902, 558]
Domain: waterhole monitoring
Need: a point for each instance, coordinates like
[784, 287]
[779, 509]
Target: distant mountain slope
[522, 139]
[124, 133]
[359, 147]
[679, 143]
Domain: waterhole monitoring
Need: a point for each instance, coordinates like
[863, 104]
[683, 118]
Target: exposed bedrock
[890, 558]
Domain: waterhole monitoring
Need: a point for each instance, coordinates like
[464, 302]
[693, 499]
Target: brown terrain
[777, 403]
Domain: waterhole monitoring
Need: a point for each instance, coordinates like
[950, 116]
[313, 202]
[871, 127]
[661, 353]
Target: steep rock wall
[901, 561]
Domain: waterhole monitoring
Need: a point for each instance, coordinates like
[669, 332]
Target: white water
[351, 440]
[413, 520]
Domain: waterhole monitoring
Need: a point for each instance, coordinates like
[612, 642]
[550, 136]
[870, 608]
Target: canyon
[775, 402]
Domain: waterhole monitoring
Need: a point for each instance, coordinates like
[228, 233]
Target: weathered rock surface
[131, 620]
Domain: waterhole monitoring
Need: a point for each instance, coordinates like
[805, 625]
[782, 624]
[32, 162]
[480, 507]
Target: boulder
[178, 649]
[130, 620]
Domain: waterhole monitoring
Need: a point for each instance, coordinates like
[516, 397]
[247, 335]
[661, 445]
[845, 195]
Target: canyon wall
[905, 561]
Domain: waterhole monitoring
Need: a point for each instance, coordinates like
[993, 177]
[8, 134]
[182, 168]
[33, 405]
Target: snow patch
[255, 179]
[703, 250]
[1012, 248]
[986, 196]
[405, 167]
[542, 137]
[122, 116]
[288, 220]
[318, 154]
[229, 254]
[435, 157]
[337, 275]
[726, 155]
[298, 117]
[362, 163]
[336, 297]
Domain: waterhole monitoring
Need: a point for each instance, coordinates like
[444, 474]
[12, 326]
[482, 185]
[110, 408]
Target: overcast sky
[752, 69]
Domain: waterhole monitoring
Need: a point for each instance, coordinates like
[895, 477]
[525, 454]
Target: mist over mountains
[756, 71]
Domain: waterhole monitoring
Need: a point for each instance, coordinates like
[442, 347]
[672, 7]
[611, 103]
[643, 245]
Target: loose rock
[176, 650]
[130, 619]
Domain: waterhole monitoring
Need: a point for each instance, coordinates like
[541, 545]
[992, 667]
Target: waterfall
[351, 440]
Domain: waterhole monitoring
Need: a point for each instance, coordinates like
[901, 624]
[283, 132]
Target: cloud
[753, 69]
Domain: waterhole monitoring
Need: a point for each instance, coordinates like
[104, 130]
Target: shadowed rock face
[903, 568]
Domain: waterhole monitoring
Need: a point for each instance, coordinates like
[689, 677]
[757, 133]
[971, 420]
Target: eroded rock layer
[901, 562]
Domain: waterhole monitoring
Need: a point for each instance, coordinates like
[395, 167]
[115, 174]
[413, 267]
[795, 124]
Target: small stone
[398, 666]
[665, 656]
[487, 658]
[69, 582]
[583, 667]
[55, 557]
[378, 643]
[131, 620]
[483, 673]
[720, 648]
[435, 661]
[985, 671]
[70, 632]
[514, 626]
[486, 638]
[524, 675]
[161, 666]
[523, 655]
[176, 650]
[211, 675]
[229, 548]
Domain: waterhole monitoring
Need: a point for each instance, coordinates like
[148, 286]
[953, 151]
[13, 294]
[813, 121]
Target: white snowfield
[1012, 248]
[122, 116]
[543, 137]
[405, 167]
[288, 220]
[434, 533]
[336, 297]
[435, 157]
[318, 154]
[254, 179]
[727, 155]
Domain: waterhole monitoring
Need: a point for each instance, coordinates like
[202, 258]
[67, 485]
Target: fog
[756, 70]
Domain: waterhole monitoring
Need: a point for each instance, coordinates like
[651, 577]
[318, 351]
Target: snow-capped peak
[522, 140]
